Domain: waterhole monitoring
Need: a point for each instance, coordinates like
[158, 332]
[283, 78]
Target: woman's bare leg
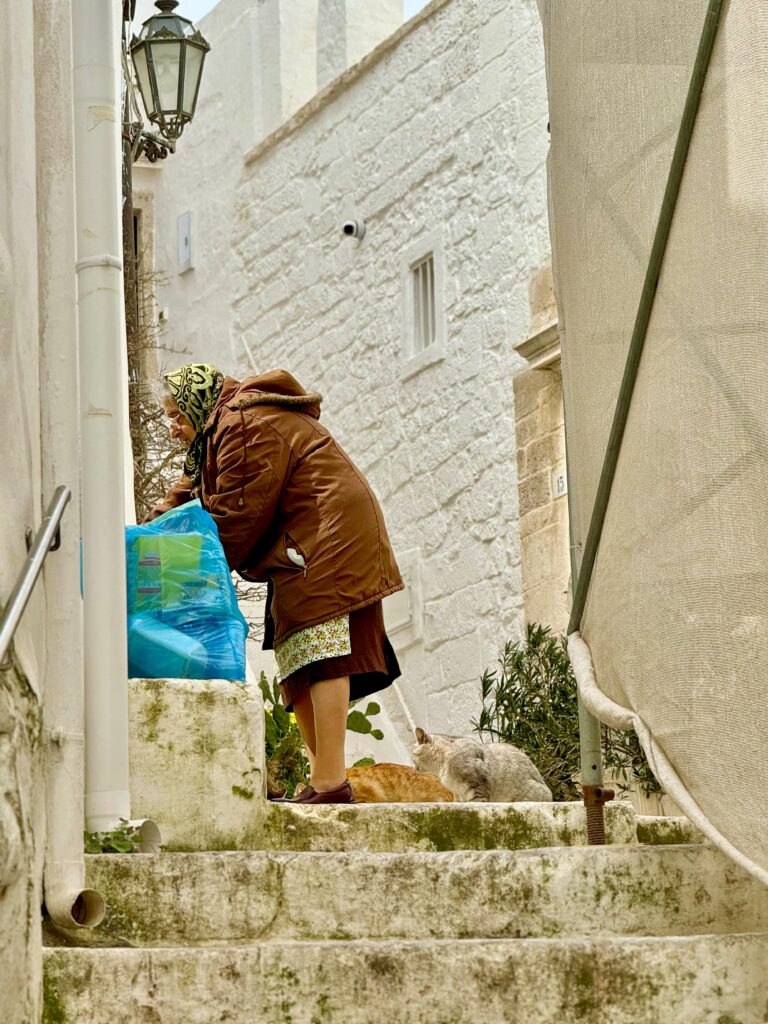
[305, 719]
[330, 701]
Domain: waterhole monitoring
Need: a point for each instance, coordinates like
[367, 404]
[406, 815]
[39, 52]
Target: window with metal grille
[423, 284]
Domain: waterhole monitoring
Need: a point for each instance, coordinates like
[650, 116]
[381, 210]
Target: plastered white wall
[261, 68]
[347, 30]
[22, 828]
[439, 136]
[441, 141]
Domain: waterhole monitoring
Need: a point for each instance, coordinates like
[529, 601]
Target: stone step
[218, 898]
[658, 830]
[398, 828]
[695, 980]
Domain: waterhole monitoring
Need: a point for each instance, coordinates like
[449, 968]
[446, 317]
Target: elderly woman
[293, 510]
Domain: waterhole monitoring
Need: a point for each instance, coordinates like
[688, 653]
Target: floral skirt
[371, 666]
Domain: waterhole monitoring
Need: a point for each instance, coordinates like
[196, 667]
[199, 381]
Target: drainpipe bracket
[103, 260]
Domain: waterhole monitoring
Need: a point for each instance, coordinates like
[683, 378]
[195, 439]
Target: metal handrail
[44, 541]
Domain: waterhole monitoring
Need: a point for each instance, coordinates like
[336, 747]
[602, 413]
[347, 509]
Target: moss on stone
[667, 832]
[203, 744]
[251, 839]
[584, 1001]
[433, 828]
[151, 713]
[322, 1012]
[244, 794]
[207, 698]
[53, 1008]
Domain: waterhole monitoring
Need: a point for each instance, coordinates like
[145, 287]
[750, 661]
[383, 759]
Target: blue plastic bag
[183, 618]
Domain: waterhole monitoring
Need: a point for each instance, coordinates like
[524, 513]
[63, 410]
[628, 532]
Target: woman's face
[180, 427]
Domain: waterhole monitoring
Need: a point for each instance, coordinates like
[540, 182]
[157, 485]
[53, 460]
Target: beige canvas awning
[676, 618]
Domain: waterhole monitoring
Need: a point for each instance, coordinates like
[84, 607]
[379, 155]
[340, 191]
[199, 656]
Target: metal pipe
[25, 583]
[645, 308]
[590, 730]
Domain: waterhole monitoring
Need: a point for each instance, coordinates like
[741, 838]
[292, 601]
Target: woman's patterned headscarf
[195, 389]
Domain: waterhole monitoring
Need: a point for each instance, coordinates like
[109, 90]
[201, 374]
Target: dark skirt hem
[372, 665]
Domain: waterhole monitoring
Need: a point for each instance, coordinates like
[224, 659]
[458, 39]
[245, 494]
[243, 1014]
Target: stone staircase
[403, 914]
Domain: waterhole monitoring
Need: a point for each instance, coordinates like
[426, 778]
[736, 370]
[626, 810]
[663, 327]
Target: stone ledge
[542, 349]
[659, 830]
[196, 759]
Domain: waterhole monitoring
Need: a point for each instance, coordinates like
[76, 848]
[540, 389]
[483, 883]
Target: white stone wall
[21, 824]
[38, 423]
[262, 67]
[437, 141]
[22, 482]
[346, 29]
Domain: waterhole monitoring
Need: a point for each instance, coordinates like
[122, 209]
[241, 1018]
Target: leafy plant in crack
[125, 839]
[287, 763]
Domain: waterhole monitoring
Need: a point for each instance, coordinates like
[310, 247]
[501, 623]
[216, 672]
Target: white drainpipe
[67, 900]
[96, 28]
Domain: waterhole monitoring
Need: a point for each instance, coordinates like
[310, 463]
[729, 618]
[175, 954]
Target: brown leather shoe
[341, 795]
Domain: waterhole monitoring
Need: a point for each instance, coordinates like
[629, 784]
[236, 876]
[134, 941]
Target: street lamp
[168, 57]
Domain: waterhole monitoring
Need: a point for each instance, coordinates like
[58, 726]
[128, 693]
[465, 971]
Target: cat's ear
[422, 737]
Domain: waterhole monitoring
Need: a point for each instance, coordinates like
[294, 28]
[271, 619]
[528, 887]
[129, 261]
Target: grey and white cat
[493, 772]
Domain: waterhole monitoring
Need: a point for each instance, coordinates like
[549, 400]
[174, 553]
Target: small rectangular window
[422, 276]
[423, 284]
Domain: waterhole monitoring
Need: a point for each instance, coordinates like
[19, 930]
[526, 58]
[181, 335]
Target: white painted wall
[440, 144]
[439, 138]
[38, 425]
[21, 823]
[262, 67]
[348, 29]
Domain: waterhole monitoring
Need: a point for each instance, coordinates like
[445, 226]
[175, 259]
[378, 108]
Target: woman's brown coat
[275, 480]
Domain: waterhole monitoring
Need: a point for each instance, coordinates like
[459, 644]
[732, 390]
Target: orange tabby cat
[396, 784]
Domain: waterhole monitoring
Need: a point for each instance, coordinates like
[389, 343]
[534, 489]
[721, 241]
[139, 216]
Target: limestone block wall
[345, 31]
[437, 141]
[543, 511]
[541, 467]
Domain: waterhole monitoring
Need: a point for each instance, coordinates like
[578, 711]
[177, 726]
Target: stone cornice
[541, 349]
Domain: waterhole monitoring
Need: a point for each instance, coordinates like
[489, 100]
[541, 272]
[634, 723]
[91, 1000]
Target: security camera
[354, 228]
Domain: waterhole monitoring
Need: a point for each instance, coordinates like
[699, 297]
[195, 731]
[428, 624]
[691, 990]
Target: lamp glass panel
[191, 78]
[142, 76]
[166, 59]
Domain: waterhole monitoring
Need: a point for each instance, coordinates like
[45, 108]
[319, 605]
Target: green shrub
[625, 757]
[530, 701]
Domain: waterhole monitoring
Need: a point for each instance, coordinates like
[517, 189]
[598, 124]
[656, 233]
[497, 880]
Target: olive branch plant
[530, 700]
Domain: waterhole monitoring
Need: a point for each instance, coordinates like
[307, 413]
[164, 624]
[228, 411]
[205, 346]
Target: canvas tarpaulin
[676, 617]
